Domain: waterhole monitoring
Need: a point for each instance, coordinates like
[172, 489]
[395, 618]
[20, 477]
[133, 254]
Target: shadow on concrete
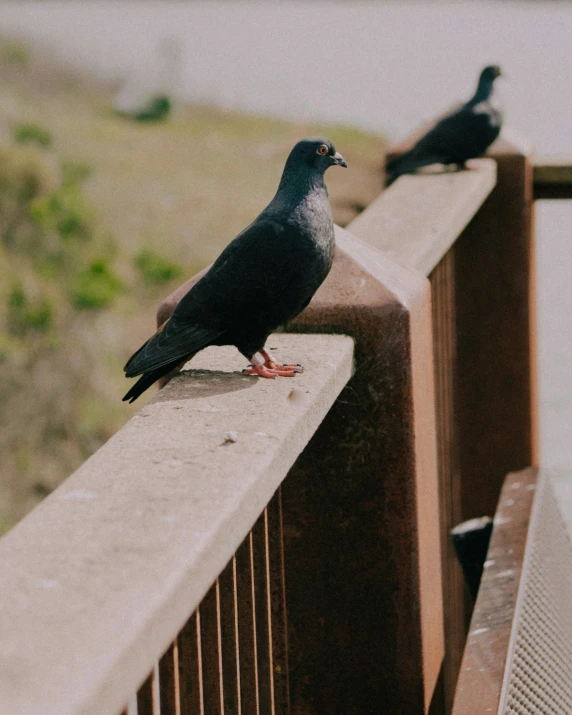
[194, 384]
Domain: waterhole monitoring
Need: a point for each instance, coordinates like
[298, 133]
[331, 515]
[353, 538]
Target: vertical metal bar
[190, 668]
[246, 627]
[210, 652]
[169, 681]
[229, 639]
[278, 605]
[236, 631]
[263, 628]
[147, 696]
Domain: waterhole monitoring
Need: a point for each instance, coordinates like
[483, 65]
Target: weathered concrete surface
[101, 576]
[418, 220]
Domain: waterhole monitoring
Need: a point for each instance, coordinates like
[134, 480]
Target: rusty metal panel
[538, 674]
[495, 392]
[485, 657]
[485, 365]
[362, 552]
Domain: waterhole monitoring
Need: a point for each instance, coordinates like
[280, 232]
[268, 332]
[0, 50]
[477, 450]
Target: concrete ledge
[421, 215]
[98, 580]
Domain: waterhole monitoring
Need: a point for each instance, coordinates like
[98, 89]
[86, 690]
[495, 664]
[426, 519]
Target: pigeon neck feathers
[300, 179]
[300, 184]
[484, 90]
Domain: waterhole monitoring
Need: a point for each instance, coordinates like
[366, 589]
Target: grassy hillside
[99, 218]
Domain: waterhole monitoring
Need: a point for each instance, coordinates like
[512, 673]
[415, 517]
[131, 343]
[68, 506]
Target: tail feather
[406, 164]
[147, 379]
[392, 164]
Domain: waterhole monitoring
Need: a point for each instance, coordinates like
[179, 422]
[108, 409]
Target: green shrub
[96, 287]
[31, 134]
[26, 174]
[25, 315]
[154, 268]
[63, 211]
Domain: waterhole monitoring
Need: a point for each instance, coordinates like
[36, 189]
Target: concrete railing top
[419, 219]
[99, 578]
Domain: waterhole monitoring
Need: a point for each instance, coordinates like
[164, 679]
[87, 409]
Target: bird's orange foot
[270, 368]
[271, 363]
[279, 371]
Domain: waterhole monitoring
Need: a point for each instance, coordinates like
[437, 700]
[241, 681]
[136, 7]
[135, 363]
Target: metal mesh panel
[539, 670]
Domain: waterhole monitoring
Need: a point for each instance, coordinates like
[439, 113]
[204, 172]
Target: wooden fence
[269, 547]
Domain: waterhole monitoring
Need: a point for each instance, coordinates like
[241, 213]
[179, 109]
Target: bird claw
[271, 364]
[271, 372]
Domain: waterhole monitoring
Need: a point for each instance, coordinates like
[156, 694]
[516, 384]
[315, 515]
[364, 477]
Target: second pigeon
[465, 133]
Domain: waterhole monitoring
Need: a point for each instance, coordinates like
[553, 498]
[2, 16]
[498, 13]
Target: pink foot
[270, 368]
[271, 364]
[263, 371]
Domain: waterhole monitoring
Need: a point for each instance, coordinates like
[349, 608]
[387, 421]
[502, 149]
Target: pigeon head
[486, 83]
[315, 154]
[490, 73]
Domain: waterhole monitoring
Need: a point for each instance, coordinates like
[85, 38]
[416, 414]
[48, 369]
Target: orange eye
[323, 149]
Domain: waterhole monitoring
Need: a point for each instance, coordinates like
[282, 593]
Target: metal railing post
[363, 588]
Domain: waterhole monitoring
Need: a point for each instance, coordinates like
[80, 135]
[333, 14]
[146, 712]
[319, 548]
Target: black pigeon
[463, 134]
[264, 278]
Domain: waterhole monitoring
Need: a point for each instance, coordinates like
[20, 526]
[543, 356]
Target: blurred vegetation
[99, 219]
[55, 262]
[12, 52]
[156, 110]
[31, 134]
[155, 268]
[96, 286]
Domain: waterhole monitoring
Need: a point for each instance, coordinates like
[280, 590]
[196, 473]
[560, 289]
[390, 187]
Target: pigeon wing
[245, 283]
[177, 339]
[261, 270]
[461, 135]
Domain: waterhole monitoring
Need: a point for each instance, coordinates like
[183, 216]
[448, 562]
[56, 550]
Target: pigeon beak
[339, 160]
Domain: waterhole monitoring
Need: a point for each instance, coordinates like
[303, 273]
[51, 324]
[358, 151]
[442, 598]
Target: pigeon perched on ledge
[463, 134]
[263, 279]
